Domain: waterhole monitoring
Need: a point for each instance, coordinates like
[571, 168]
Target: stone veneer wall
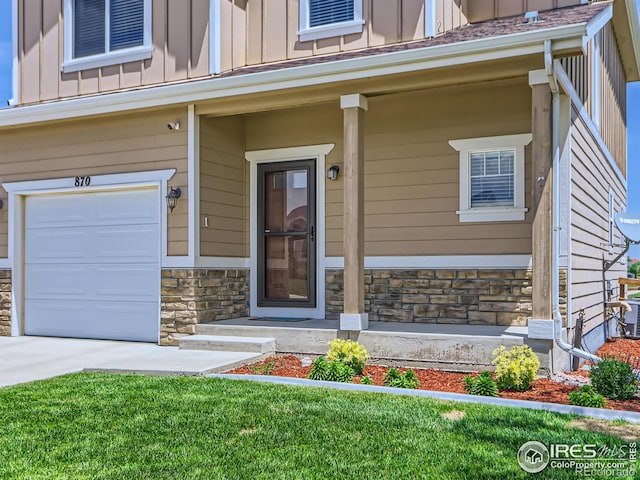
[5, 303]
[197, 296]
[474, 297]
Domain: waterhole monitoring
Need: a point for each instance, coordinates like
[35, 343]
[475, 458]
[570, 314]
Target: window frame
[484, 144]
[307, 33]
[108, 58]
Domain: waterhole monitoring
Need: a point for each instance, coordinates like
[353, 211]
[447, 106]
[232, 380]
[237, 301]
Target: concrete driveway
[25, 359]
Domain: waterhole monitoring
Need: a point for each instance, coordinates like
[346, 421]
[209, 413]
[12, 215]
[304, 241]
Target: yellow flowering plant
[516, 368]
[348, 352]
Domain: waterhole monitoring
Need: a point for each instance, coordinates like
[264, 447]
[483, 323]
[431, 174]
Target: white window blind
[103, 26]
[492, 178]
[326, 12]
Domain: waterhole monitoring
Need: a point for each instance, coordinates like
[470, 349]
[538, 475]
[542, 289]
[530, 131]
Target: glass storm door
[286, 234]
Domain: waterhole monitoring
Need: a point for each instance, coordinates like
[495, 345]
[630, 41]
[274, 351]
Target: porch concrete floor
[400, 327]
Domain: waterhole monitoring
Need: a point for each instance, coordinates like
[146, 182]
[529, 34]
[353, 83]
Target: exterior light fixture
[332, 173]
[172, 198]
[1, 203]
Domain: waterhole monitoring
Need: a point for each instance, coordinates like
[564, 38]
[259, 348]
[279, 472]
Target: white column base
[354, 321]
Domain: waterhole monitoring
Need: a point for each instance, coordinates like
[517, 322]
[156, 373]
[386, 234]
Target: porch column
[353, 317]
[542, 202]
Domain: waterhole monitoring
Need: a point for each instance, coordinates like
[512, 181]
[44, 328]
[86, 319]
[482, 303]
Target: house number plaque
[83, 181]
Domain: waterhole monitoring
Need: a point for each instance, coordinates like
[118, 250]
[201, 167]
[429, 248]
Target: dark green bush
[587, 397]
[366, 380]
[614, 379]
[395, 379]
[482, 385]
[336, 371]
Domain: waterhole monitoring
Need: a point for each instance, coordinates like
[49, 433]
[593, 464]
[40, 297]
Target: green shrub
[348, 352]
[321, 369]
[614, 379]
[394, 378]
[366, 380]
[482, 385]
[515, 368]
[587, 397]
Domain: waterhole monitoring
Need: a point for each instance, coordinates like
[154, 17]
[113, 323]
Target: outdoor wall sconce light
[332, 173]
[173, 126]
[172, 198]
[1, 203]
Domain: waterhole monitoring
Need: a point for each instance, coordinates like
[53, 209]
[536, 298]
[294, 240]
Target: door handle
[313, 234]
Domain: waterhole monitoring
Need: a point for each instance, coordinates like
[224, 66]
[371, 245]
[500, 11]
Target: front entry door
[286, 234]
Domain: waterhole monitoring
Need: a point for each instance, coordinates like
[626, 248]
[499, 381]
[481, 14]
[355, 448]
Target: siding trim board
[567, 86]
[215, 37]
[460, 53]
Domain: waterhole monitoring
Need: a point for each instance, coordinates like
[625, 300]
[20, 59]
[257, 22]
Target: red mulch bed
[543, 390]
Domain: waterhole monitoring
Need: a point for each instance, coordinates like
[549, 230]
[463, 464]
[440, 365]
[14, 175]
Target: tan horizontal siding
[108, 145]
[222, 188]
[411, 172]
[592, 177]
[180, 51]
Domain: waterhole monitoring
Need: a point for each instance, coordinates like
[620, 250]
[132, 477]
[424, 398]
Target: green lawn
[126, 426]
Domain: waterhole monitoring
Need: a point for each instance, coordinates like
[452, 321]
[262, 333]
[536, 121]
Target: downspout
[557, 316]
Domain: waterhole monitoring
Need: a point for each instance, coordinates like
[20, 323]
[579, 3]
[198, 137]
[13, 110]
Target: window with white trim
[329, 18]
[492, 178]
[106, 32]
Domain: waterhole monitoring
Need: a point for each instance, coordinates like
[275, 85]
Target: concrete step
[291, 339]
[228, 343]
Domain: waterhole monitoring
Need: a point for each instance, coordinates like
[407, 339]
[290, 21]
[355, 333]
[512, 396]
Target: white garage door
[92, 265]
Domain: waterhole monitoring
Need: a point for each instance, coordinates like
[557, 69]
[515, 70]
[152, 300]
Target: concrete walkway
[25, 359]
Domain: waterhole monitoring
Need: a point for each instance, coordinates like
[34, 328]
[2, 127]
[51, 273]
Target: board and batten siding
[612, 90]
[481, 10]
[411, 171]
[273, 25]
[223, 188]
[180, 51]
[592, 177]
[613, 97]
[99, 146]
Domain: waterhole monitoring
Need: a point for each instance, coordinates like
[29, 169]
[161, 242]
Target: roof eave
[565, 38]
[627, 27]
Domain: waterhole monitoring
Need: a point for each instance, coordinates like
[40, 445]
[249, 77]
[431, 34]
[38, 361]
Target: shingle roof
[493, 28]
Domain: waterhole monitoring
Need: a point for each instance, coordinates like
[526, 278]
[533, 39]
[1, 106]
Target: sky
[633, 110]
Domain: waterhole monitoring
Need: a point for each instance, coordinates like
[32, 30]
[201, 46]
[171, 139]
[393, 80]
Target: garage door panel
[109, 320]
[59, 211]
[124, 244]
[58, 282]
[127, 283]
[122, 208]
[92, 265]
[59, 245]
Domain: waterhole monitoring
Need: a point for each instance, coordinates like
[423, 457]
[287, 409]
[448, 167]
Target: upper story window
[106, 32]
[492, 178]
[329, 18]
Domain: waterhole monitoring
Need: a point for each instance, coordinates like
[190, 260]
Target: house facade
[436, 162]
